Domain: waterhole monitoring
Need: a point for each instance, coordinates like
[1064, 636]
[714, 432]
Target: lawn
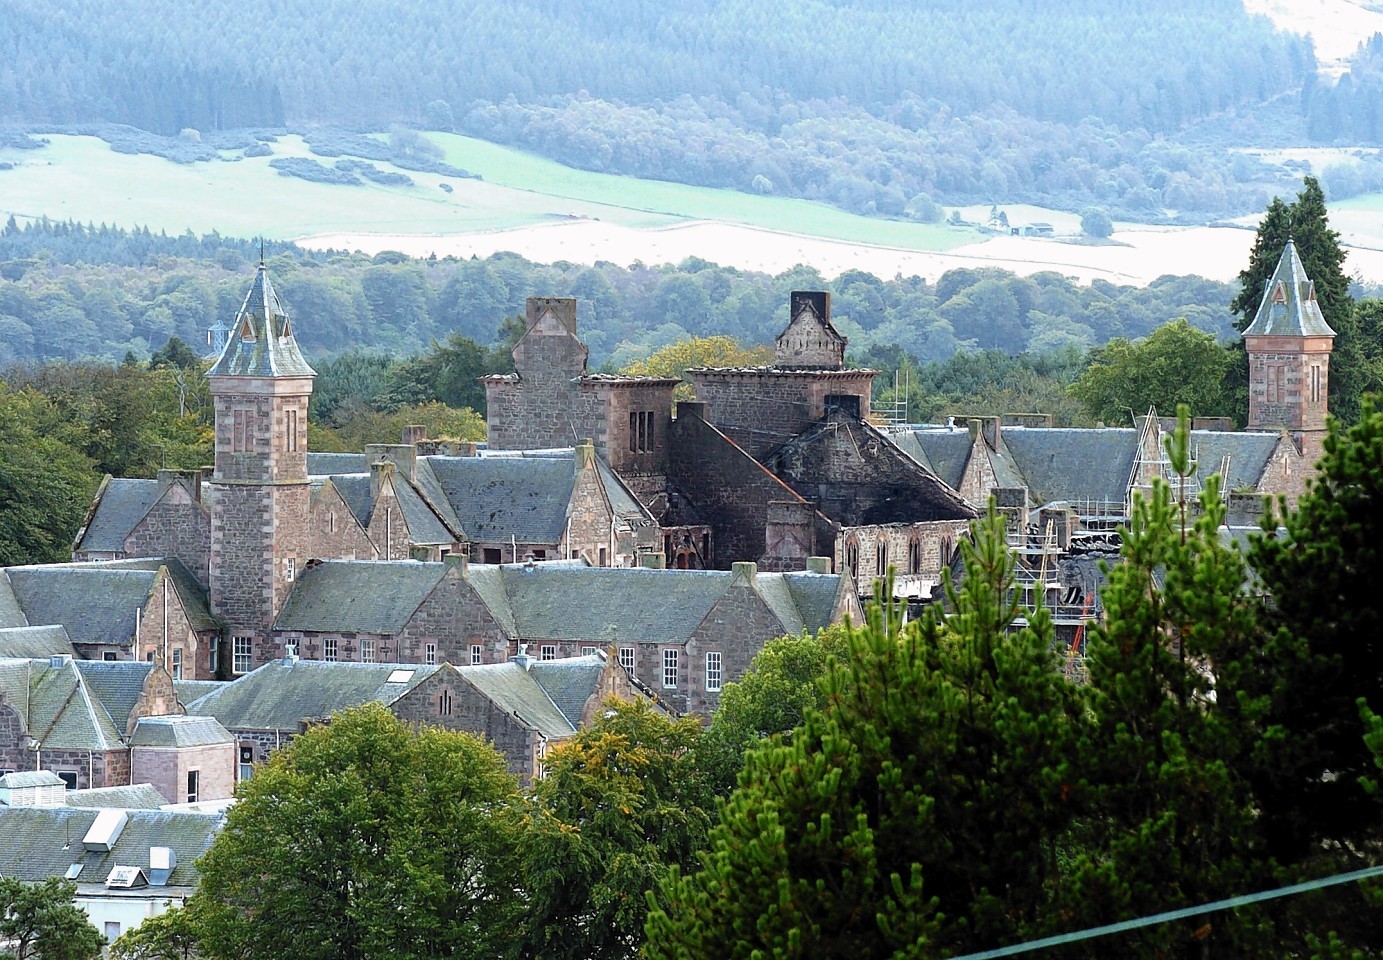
[82, 179]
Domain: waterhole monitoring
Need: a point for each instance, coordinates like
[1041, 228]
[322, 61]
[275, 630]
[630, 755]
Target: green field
[82, 179]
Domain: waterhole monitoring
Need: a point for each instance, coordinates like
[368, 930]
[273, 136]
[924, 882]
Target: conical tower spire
[1289, 307]
[261, 342]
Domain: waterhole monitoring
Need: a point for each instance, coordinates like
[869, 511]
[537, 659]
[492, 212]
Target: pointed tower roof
[1289, 307]
[261, 342]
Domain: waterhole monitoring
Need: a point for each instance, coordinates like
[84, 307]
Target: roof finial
[261, 251]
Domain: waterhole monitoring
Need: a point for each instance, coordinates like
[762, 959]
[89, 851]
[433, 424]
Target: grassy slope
[82, 179]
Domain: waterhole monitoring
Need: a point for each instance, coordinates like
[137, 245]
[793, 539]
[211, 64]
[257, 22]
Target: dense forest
[69, 291]
[875, 106]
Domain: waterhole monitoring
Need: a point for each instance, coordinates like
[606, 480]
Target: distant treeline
[69, 291]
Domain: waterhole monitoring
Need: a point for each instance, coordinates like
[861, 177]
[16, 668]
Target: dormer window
[247, 330]
[1280, 294]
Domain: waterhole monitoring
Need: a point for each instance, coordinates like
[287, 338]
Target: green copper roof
[261, 342]
[1289, 307]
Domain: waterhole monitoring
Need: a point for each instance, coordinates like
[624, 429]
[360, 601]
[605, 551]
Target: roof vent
[162, 862]
[59, 660]
[126, 878]
[105, 830]
[523, 659]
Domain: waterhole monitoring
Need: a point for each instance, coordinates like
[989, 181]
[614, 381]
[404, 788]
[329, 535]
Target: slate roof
[136, 796]
[417, 501]
[117, 684]
[61, 710]
[122, 504]
[568, 683]
[26, 642]
[512, 688]
[816, 596]
[261, 342]
[42, 842]
[179, 732]
[281, 694]
[190, 593]
[498, 497]
[189, 690]
[1072, 463]
[1289, 307]
[11, 613]
[96, 602]
[329, 464]
[30, 778]
[358, 596]
[1248, 454]
[942, 450]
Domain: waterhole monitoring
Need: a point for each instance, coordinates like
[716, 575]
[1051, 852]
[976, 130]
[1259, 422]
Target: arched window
[881, 557]
[852, 557]
[914, 556]
[948, 548]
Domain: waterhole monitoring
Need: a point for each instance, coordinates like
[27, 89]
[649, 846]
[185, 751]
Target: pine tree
[918, 813]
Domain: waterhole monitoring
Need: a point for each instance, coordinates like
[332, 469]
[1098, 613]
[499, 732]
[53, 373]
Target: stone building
[523, 706]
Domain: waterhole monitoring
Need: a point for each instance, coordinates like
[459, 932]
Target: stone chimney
[193, 478]
[691, 408]
[818, 564]
[379, 472]
[652, 561]
[585, 455]
[746, 570]
[403, 456]
[414, 434]
[564, 308]
[456, 564]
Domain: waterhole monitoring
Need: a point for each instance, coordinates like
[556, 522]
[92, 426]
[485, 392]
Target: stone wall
[727, 488]
[446, 700]
[176, 526]
[761, 409]
[334, 532]
[916, 552]
[1289, 382]
[14, 740]
[167, 769]
[737, 628]
[165, 628]
[453, 616]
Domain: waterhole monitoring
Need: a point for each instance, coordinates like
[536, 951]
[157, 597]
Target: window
[240, 431]
[68, 777]
[641, 438]
[444, 703]
[367, 651]
[540, 770]
[587, 651]
[670, 669]
[477, 654]
[914, 557]
[1315, 383]
[240, 654]
[713, 672]
[329, 649]
[215, 655]
[331, 521]
[547, 651]
[604, 557]
[948, 547]
[177, 663]
[247, 760]
[492, 555]
[626, 658]
[852, 557]
[108, 655]
[112, 930]
[430, 654]
[881, 557]
[148, 656]
[192, 782]
[290, 568]
[290, 430]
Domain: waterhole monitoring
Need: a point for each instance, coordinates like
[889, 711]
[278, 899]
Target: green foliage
[1095, 222]
[915, 814]
[46, 482]
[38, 921]
[675, 359]
[623, 802]
[167, 936]
[362, 838]
[1327, 641]
[1177, 364]
[772, 698]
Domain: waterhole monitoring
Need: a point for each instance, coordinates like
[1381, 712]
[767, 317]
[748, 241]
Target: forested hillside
[878, 106]
[70, 292]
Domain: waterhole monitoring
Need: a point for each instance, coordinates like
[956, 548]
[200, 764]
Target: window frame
[629, 662]
[241, 660]
[717, 672]
[670, 668]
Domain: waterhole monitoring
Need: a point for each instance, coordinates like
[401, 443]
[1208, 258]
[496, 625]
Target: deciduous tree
[39, 921]
[1176, 364]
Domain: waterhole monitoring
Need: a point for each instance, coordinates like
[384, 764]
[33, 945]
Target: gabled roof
[943, 450]
[282, 694]
[499, 497]
[61, 710]
[96, 602]
[122, 504]
[42, 842]
[358, 596]
[426, 511]
[569, 683]
[1248, 454]
[117, 684]
[30, 778]
[11, 613]
[26, 642]
[516, 691]
[1289, 307]
[193, 598]
[1073, 464]
[261, 342]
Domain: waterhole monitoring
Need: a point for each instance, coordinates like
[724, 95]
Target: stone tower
[1289, 346]
[258, 495]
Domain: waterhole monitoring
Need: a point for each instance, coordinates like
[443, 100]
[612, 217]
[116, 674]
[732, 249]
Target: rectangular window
[634, 432]
[329, 649]
[291, 430]
[477, 654]
[68, 777]
[444, 703]
[240, 654]
[247, 760]
[367, 651]
[626, 658]
[670, 669]
[649, 417]
[604, 557]
[215, 655]
[192, 779]
[713, 672]
[587, 651]
[492, 555]
[290, 568]
[430, 654]
[177, 663]
[548, 651]
[112, 930]
[108, 655]
[541, 770]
